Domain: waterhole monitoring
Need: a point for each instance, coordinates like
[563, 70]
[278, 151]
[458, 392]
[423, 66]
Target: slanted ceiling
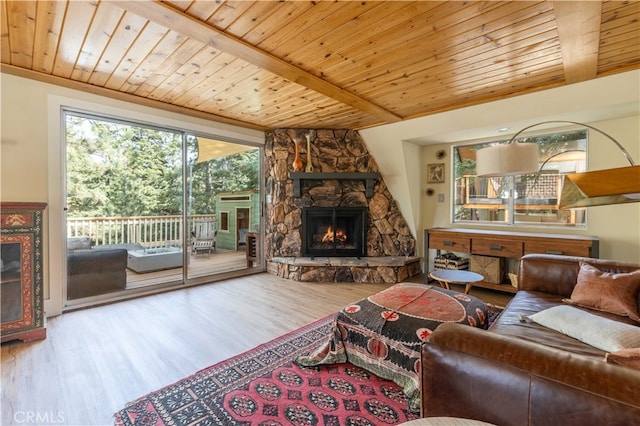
[317, 64]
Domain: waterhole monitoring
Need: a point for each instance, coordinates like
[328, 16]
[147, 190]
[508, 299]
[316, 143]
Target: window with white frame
[520, 200]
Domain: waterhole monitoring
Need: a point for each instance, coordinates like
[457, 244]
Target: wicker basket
[491, 268]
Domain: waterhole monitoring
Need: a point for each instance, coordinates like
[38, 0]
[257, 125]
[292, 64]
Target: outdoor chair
[203, 237]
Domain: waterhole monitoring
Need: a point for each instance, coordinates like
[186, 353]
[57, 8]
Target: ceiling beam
[178, 21]
[578, 25]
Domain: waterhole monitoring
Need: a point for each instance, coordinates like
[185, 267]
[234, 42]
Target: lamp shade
[507, 160]
[601, 187]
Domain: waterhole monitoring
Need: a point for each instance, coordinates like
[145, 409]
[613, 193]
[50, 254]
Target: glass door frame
[185, 281]
[187, 220]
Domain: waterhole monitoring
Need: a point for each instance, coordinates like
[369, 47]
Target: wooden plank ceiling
[317, 64]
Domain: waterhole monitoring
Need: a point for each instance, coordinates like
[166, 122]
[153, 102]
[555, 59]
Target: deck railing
[148, 231]
[474, 189]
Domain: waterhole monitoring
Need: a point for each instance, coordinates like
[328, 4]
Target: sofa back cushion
[558, 275]
[78, 243]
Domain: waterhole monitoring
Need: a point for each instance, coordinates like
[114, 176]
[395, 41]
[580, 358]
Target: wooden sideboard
[505, 244]
[21, 256]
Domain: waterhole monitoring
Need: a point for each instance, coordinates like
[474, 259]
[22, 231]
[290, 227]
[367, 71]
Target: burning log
[330, 236]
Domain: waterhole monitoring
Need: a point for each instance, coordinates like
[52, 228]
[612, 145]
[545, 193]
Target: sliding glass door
[143, 201]
[223, 204]
[124, 204]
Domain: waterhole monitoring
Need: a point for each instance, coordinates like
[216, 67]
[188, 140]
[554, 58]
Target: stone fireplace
[345, 178]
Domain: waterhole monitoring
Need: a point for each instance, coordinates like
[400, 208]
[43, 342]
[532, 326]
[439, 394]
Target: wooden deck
[200, 265]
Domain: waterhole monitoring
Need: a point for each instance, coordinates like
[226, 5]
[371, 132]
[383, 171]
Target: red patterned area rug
[265, 387]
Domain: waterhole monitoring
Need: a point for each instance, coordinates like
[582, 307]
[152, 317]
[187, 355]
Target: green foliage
[237, 172]
[116, 169]
[465, 167]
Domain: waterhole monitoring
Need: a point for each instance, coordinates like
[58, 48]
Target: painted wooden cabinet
[506, 245]
[21, 289]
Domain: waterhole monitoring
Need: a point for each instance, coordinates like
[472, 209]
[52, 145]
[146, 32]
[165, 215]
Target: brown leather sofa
[520, 373]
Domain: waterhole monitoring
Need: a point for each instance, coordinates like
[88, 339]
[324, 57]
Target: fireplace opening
[334, 231]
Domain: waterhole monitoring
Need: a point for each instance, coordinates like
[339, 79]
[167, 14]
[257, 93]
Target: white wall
[31, 154]
[611, 104]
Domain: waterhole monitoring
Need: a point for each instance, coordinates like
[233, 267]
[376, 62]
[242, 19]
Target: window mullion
[511, 200]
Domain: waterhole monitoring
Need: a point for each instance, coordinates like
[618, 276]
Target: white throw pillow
[602, 333]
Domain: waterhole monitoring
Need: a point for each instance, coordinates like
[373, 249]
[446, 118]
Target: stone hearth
[382, 269]
[336, 152]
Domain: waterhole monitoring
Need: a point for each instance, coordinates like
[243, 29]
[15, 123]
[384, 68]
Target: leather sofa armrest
[469, 350]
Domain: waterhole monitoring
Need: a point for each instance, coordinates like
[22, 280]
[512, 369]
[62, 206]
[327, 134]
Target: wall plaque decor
[435, 173]
[21, 292]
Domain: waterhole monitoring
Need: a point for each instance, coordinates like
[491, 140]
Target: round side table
[455, 276]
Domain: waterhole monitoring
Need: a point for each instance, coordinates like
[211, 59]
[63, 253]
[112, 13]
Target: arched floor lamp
[592, 188]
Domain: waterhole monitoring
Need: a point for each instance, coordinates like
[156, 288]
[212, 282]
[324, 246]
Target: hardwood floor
[96, 360]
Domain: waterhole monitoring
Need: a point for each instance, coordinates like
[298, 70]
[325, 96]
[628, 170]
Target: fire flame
[330, 236]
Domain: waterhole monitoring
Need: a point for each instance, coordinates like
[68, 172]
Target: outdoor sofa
[92, 271]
